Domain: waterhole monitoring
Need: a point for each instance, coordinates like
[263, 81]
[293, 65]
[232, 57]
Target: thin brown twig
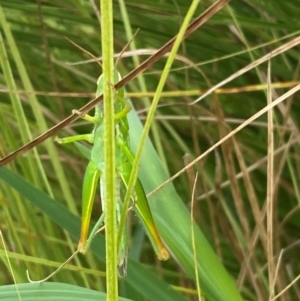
[204, 17]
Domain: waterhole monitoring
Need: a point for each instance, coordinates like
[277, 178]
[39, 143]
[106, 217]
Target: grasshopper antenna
[85, 51]
[126, 46]
[96, 59]
[52, 274]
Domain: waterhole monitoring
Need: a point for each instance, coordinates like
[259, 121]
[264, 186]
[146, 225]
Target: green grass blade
[49, 292]
[173, 221]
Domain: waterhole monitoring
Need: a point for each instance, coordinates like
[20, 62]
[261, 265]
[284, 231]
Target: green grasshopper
[94, 172]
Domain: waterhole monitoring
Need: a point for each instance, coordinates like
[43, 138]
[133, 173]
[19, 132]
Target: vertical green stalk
[109, 150]
[163, 78]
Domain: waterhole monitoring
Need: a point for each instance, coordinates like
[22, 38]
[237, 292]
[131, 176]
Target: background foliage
[232, 181]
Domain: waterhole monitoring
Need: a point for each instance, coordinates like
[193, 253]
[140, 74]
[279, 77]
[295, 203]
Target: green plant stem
[109, 150]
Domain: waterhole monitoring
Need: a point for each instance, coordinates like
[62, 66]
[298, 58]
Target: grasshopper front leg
[70, 139]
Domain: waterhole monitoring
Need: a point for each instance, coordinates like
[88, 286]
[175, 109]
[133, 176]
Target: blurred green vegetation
[230, 213]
